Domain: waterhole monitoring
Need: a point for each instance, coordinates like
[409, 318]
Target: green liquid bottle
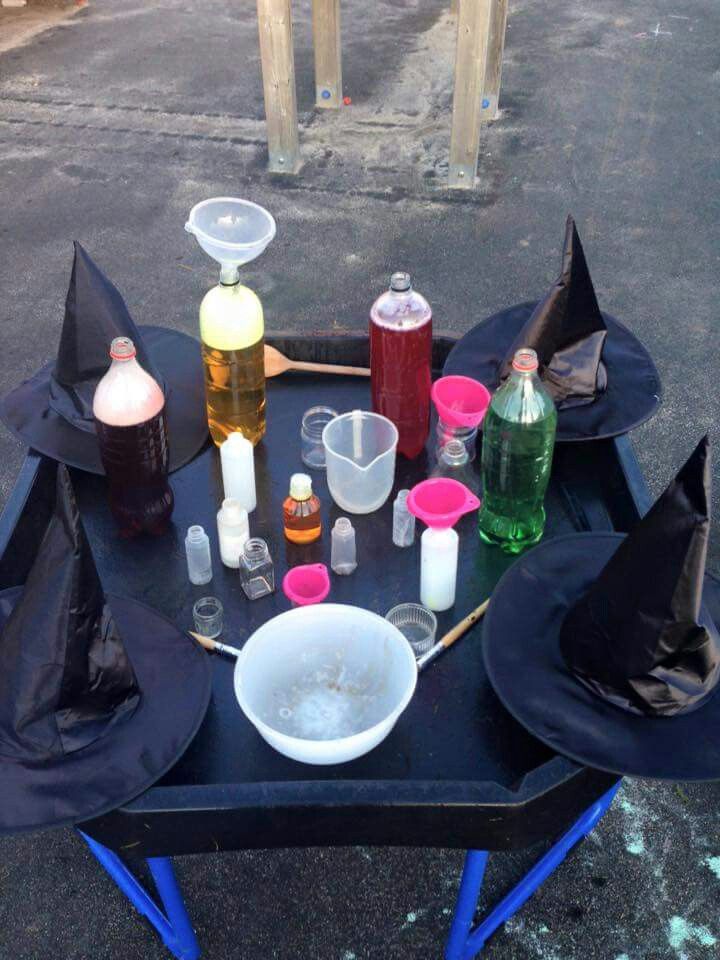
[517, 450]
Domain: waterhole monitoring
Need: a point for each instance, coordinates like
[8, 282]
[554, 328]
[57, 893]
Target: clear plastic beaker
[314, 422]
[360, 450]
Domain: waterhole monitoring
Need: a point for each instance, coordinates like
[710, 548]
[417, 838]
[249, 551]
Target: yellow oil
[231, 330]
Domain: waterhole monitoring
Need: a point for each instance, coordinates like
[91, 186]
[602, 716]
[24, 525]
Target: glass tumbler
[416, 623]
[208, 617]
[314, 422]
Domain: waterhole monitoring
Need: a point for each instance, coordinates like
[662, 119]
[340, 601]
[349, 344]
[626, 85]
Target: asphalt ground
[114, 123]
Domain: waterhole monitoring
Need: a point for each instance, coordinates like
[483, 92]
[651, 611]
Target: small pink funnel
[307, 584]
[460, 401]
[441, 502]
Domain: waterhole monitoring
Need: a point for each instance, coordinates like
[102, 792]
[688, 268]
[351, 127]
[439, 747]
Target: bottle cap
[300, 486]
[122, 348]
[343, 527]
[233, 512]
[525, 360]
[400, 281]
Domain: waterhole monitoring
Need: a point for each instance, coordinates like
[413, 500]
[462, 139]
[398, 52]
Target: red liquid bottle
[129, 408]
[401, 361]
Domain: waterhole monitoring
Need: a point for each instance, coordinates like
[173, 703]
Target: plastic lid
[525, 360]
[300, 486]
[233, 512]
[400, 281]
[122, 348]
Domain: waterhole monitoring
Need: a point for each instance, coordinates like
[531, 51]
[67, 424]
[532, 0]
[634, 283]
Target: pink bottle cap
[460, 401]
[307, 584]
[440, 502]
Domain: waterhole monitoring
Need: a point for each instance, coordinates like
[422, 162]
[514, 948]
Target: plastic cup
[416, 623]
[360, 449]
[208, 617]
[314, 422]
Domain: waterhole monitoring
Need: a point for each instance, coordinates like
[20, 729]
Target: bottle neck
[229, 274]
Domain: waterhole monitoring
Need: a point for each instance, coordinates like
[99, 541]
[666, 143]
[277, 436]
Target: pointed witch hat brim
[174, 677]
[521, 638]
[633, 390]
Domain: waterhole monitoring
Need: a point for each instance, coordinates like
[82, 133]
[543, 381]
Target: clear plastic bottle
[517, 451]
[197, 552]
[129, 409]
[454, 462]
[232, 332]
[233, 531]
[401, 362]
[257, 573]
[301, 511]
[403, 521]
[343, 551]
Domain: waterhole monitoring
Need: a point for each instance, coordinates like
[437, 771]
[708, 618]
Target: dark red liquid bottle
[401, 362]
[129, 409]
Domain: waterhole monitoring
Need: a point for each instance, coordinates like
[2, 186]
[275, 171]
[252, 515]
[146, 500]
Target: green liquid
[516, 461]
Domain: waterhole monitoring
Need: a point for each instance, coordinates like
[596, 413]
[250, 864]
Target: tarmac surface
[113, 124]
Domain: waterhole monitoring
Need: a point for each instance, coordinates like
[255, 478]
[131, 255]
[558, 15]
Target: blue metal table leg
[175, 929]
[464, 943]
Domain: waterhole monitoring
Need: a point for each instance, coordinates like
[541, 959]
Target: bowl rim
[298, 613]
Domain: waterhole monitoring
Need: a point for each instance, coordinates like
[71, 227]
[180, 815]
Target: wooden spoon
[276, 363]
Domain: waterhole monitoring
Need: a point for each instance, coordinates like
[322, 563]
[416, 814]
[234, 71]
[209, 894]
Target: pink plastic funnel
[307, 584]
[460, 401]
[441, 502]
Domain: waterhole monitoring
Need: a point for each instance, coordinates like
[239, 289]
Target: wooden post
[326, 41]
[278, 71]
[493, 70]
[470, 61]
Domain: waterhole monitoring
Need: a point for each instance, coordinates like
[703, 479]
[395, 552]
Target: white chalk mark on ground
[681, 931]
[348, 955]
[713, 863]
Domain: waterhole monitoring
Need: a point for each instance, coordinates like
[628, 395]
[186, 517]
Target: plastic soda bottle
[401, 362]
[129, 408]
[517, 449]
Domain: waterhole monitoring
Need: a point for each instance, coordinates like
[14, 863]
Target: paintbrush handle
[214, 646]
[460, 628]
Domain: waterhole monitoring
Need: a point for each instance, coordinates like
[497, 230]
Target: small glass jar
[208, 617]
[314, 422]
[445, 433]
[416, 623]
[257, 574]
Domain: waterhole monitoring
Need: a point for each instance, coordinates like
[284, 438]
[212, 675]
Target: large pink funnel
[440, 502]
[460, 401]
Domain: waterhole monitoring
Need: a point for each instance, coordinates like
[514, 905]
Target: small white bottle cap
[300, 486]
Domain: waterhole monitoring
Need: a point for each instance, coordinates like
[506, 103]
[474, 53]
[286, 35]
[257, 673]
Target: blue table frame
[464, 942]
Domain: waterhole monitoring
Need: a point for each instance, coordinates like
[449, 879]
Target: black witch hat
[615, 641]
[87, 720]
[52, 411]
[600, 376]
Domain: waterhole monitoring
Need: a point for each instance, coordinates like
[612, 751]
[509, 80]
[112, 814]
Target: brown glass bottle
[301, 511]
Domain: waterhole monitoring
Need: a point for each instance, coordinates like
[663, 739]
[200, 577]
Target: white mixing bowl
[325, 683]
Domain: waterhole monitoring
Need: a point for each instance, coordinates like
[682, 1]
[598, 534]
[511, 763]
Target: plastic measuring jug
[360, 450]
[439, 503]
[461, 403]
[306, 584]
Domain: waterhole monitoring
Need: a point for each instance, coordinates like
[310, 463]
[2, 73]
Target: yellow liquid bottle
[232, 331]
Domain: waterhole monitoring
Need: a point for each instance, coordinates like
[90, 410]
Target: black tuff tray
[456, 771]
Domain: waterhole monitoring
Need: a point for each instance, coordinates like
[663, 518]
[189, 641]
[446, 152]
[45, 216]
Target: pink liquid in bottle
[401, 361]
[129, 409]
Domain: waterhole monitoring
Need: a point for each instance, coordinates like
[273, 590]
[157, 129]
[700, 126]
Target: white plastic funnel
[231, 231]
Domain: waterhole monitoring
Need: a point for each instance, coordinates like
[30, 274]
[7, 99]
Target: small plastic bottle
[403, 521]
[438, 568]
[238, 471]
[343, 552]
[301, 511]
[257, 573]
[454, 462]
[233, 531]
[197, 551]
